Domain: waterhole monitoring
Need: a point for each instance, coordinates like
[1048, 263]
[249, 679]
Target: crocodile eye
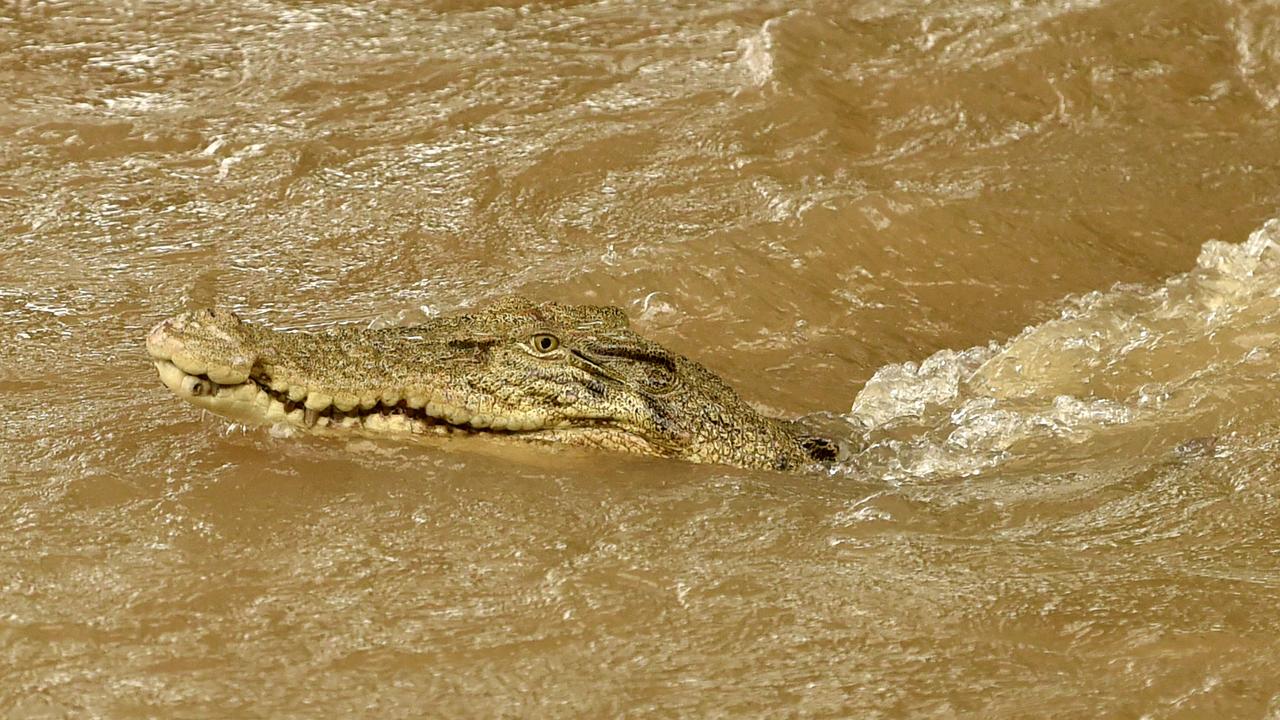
[545, 343]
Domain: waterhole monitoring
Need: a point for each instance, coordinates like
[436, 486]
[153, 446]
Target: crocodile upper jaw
[242, 390]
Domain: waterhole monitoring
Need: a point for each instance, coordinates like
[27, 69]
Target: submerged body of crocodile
[573, 374]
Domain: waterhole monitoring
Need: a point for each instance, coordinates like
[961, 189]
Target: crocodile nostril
[160, 332]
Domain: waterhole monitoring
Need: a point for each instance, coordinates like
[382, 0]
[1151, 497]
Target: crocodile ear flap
[820, 449]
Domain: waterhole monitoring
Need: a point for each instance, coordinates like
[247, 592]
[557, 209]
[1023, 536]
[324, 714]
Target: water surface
[1026, 255]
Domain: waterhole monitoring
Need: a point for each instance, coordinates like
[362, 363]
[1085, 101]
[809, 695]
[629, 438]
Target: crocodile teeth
[170, 374]
[275, 411]
[196, 387]
[227, 375]
[457, 416]
[281, 400]
[247, 393]
[318, 401]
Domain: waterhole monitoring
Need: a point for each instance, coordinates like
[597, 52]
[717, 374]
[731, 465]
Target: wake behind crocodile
[1134, 370]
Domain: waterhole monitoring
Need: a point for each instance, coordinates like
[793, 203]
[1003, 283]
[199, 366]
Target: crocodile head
[573, 374]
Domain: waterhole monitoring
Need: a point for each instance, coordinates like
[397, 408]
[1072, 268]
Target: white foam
[1183, 358]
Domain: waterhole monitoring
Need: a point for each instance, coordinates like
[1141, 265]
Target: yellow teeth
[245, 393]
[196, 387]
[275, 411]
[262, 401]
[227, 375]
[318, 401]
[171, 375]
[252, 402]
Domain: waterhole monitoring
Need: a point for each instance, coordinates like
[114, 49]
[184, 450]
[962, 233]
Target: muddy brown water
[1025, 254]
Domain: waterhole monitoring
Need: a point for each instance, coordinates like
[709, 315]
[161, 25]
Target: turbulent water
[1023, 257]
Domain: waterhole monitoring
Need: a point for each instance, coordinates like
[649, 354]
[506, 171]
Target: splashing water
[1130, 370]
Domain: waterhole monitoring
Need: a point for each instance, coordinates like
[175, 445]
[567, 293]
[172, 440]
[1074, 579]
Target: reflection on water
[1023, 254]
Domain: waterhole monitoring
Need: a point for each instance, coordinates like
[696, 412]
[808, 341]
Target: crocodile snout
[203, 342]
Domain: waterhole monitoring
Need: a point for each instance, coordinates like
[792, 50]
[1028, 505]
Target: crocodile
[515, 369]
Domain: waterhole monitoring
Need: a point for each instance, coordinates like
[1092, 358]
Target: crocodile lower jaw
[253, 402]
